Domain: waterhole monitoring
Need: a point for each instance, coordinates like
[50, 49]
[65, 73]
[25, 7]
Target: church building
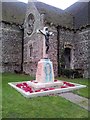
[22, 46]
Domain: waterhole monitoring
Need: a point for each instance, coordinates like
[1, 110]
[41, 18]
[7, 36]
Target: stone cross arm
[44, 32]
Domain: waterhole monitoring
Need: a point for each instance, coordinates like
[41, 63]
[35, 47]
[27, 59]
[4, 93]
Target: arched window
[30, 24]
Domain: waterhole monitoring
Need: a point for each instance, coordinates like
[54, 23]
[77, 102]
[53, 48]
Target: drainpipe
[58, 49]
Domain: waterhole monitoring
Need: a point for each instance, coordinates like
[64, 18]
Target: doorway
[67, 57]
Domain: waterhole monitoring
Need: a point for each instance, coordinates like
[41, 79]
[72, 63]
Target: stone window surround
[28, 21]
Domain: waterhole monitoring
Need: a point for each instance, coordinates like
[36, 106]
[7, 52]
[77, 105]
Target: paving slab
[74, 98]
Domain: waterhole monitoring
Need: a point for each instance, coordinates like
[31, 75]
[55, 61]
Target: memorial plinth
[45, 72]
[45, 75]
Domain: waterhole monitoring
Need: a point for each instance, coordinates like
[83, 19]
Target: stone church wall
[30, 61]
[11, 47]
[66, 40]
[82, 48]
[66, 36]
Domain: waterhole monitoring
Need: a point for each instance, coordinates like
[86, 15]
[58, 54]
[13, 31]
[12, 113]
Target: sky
[62, 4]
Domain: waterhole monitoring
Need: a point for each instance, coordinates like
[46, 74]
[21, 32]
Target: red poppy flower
[65, 82]
[63, 86]
[35, 82]
[45, 89]
[19, 85]
[26, 90]
[38, 90]
[31, 80]
[69, 84]
[31, 91]
[51, 88]
[25, 84]
[55, 80]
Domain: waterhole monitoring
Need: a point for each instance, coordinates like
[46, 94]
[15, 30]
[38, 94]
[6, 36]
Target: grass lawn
[14, 105]
[81, 92]
[0, 96]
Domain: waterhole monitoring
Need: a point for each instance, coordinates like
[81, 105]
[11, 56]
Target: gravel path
[81, 101]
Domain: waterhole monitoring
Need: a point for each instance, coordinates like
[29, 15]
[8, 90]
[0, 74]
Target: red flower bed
[68, 84]
[25, 87]
[44, 89]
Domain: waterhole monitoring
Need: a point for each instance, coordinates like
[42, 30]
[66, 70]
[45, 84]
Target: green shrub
[70, 73]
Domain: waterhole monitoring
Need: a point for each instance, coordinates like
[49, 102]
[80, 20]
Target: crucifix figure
[47, 34]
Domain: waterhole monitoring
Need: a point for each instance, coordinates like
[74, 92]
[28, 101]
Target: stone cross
[47, 34]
